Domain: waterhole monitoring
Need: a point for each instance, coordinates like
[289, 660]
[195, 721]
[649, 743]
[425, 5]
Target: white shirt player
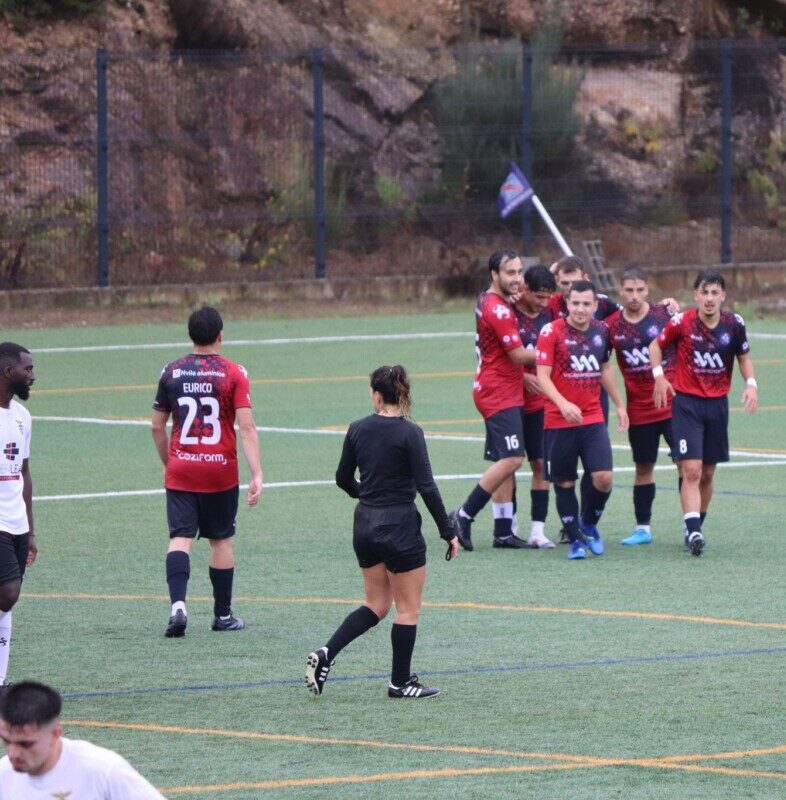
[84, 771]
[15, 431]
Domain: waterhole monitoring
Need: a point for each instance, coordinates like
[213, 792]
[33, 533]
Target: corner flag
[514, 192]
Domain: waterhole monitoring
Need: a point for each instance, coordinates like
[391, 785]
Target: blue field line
[558, 665]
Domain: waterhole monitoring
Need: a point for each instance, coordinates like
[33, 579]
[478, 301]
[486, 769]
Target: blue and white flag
[514, 192]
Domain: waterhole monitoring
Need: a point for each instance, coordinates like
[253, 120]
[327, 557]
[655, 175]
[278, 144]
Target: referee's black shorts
[389, 535]
[13, 556]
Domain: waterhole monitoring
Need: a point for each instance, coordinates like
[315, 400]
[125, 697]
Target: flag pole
[544, 215]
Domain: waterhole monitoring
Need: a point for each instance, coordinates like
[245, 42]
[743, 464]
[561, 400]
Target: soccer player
[498, 392]
[41, 763]
[532, 314]
[204, 393]
[708, 339]
[573, 364]
[18, 548]
[632, 329]
[390, 452]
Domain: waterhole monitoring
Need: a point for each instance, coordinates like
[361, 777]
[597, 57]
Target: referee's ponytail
[393, 384]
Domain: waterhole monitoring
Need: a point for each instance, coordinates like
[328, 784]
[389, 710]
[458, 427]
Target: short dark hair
[11, 352]
[539, 277]
[500, 257]
[393, 384]
[204, 325]
[633, 272]
[707, 277]
[570, 264]
[582, 286]
[29, 703]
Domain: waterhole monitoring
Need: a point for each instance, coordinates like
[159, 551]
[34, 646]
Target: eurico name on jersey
[15, 431]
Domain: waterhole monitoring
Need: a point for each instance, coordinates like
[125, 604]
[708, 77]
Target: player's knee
[707, 476]
[537, 469]
[513, 463]
[691, 473]
[9, 594]
[602, 481]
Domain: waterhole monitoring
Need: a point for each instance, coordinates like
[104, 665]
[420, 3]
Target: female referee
[389, 450]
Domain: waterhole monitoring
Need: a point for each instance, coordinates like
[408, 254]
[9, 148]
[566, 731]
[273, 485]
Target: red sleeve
[672, 332]
[545, 347]
[499, 316]
[241, 397]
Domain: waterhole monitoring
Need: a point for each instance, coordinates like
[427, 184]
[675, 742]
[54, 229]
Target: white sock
[179, 606]
[6, 620]
[502, 510]
[645, 528]
[536, 529]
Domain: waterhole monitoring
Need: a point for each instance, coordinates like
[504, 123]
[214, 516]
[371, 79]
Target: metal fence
[203, 166]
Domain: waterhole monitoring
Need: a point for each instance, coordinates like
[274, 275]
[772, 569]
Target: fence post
[102, 171]
[317, 68]
[526, 143]
[726, 153]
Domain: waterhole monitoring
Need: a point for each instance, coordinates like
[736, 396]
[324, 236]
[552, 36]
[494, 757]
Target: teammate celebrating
[632, 329]
[18, 547]
[707, 340]
[573, 364]
[204, 393]
[498, 392]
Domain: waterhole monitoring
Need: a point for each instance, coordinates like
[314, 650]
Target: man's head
[205, 326]
[569, 269]
[505, 271]
[582, 301]
[539, 285]
[709, 291]
[634, 288]
[30, 726]
[16, 369]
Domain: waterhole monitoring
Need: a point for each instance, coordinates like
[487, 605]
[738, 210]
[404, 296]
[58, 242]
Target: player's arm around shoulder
[249, 440]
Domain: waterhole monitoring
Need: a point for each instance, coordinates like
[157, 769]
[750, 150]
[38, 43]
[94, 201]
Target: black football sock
[477, 500]
[514, 501]
[402, 637]
[503, 527]
[222, 590]
[568, 510]
[692, 522]
[540, 504]
[584, 489]
[643, 497]
[702, 517]
[596, 502]
[355, 624]
[178, 570]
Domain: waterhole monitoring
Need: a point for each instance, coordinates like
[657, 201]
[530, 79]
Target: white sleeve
[28, 435]
[124, 782]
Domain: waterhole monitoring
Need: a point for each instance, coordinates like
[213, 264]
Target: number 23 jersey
[202, 392]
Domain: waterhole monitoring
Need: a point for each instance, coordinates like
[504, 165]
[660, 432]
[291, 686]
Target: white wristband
[657, 372]
[752, 383]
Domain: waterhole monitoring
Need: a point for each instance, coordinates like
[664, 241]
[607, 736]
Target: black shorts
[644, 440]
[565, 446]
[533, 434]
[701, 428]
[505, 434]
[389, 535]
[13, 556]
[210, 514]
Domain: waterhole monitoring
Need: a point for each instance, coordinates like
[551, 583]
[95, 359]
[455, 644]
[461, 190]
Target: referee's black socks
[354, 625]
[402, 637]
[178, 570]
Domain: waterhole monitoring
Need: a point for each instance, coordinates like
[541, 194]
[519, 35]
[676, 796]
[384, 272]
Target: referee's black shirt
[391, 454]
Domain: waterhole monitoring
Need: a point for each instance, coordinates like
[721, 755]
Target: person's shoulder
[21, 410]
[234, 368]
[614, 318]
[90, 756]
[732, 319]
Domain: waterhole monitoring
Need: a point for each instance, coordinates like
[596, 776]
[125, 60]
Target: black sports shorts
[13, 556]
[389, 535]
[701, 428]
[565, 446]
[644, 440]
[207, 515]
[533, 434]
[505, 434]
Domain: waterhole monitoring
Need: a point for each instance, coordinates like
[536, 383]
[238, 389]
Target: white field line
[437, 437]
[302, 484]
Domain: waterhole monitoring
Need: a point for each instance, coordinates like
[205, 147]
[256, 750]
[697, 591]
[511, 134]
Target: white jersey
[84, 771]
[15, 430]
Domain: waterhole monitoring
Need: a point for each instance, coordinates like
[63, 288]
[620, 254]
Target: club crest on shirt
[724, 338]
[653, 331]
[597, 340]
[21, 426]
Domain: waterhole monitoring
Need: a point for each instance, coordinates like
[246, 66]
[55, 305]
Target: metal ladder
[595, 265]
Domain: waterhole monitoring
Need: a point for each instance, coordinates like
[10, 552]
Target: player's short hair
[204, 325]
[708, 277]
[633, 272]
[29, 703]
[10, 352]
[539, 277]
[570, 264]
[499, 258]
[583, 286]
[393, 384]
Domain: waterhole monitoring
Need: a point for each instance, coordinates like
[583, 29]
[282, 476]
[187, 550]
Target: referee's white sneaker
[412, 688]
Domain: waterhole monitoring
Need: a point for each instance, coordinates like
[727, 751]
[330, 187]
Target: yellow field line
[764, 751]
[468, 605]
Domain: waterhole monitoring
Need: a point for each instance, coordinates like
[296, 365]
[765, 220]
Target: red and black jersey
[705, 356]
[202, 392]
[559, 307]
[631, 341]
[575, 358]
[499, 383]
[529, 330]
